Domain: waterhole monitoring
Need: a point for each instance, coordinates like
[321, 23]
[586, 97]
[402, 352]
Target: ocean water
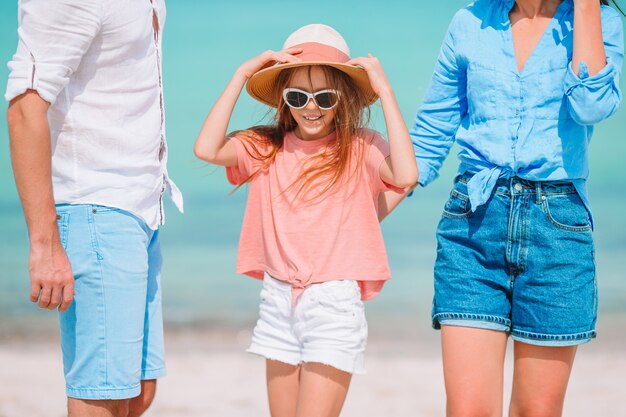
[204, 43]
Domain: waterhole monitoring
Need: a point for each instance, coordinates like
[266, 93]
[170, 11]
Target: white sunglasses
[298, 99]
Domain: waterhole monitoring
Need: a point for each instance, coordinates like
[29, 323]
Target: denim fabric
[523, 263]
[112, 334]
[534, 124]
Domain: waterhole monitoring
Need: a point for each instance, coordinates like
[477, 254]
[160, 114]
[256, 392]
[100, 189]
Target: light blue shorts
[112, 334]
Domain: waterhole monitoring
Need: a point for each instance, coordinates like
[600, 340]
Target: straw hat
[321, 45]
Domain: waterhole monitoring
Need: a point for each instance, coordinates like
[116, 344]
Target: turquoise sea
[204, 42]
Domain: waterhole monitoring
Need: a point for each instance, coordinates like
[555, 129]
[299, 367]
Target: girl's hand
[267, 59]
[375, 73]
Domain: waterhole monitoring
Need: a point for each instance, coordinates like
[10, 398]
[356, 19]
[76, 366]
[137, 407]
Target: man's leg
[97, 408]
[140, 404]
[133, 407]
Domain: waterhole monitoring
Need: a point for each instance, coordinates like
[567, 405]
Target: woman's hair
[339, 159]
[606, 2]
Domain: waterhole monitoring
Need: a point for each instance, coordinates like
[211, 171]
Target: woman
[519, 86]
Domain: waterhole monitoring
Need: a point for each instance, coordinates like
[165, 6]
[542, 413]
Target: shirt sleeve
[593, 99]
[246, 164]
[444, 107]
[53, 36]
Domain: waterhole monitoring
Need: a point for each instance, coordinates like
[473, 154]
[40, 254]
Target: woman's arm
[399, 169]
[588, 42]
[592, 81]
[444, 107]
[211, 144]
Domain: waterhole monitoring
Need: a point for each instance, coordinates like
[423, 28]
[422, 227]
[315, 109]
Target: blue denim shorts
[522, 263]
[112, 334]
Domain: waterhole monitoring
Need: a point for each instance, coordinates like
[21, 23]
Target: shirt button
[518, 187]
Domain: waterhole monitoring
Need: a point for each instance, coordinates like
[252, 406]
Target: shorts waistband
[516, 186]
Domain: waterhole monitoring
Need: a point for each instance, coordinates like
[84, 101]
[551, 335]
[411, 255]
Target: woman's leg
[283, 383]
[540, 380]
[473, 362]
[323, 390]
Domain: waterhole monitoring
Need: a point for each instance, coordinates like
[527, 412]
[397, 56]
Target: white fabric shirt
[98, 63]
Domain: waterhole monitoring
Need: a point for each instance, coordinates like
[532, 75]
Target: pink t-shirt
[335, 237]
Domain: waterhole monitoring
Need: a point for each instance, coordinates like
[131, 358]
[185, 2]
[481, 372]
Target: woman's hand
[267, 59]
[375, 73]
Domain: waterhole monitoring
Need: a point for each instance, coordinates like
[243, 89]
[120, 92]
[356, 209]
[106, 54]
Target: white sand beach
[209, 374]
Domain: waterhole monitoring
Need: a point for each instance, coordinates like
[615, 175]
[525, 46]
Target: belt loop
[538, 192]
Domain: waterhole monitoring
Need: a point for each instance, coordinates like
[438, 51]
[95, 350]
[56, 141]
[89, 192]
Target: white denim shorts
[327, 325]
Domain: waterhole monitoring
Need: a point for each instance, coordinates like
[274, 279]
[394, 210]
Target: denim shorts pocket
[63, 222]
[566, 212]
[458, 206]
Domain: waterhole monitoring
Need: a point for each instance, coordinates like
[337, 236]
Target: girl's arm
[389, 200]
[400, 168]
[211, 144]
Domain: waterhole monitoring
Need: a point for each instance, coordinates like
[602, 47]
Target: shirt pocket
[484, 85]
[551, 86]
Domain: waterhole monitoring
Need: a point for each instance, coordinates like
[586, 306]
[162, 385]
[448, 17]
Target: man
[89, 156]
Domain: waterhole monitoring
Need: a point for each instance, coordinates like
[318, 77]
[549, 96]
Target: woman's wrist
[586, 4]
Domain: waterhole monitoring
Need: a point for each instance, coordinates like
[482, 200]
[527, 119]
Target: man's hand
[51, 278]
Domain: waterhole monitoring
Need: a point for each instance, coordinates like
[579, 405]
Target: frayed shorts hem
[275, 355]
[340, 362]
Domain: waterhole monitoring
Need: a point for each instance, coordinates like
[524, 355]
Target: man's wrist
[44, 233]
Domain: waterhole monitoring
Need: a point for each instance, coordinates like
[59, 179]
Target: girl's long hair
[337, 161]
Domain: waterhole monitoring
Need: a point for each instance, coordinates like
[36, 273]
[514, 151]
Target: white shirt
[98, 63]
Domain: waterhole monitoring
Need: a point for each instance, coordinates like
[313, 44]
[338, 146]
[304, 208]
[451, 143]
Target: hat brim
[261, 85]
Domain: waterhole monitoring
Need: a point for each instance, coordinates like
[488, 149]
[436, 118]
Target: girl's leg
[473, 367]
[323, 390]
[540, 380]
[283, 383]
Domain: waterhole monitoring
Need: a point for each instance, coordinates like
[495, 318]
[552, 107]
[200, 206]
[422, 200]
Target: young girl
[311, 228]
[519, 86]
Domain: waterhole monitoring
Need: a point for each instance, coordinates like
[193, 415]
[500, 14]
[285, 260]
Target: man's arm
[52, 281]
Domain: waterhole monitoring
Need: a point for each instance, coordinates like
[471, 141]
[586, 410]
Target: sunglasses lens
[326, 100]
[296, 99]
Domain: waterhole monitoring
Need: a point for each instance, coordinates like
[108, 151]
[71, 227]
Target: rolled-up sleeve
[53, 36]
[439, 117]
[593, 99]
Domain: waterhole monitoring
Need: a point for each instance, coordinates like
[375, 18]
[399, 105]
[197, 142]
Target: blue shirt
[535, 124]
